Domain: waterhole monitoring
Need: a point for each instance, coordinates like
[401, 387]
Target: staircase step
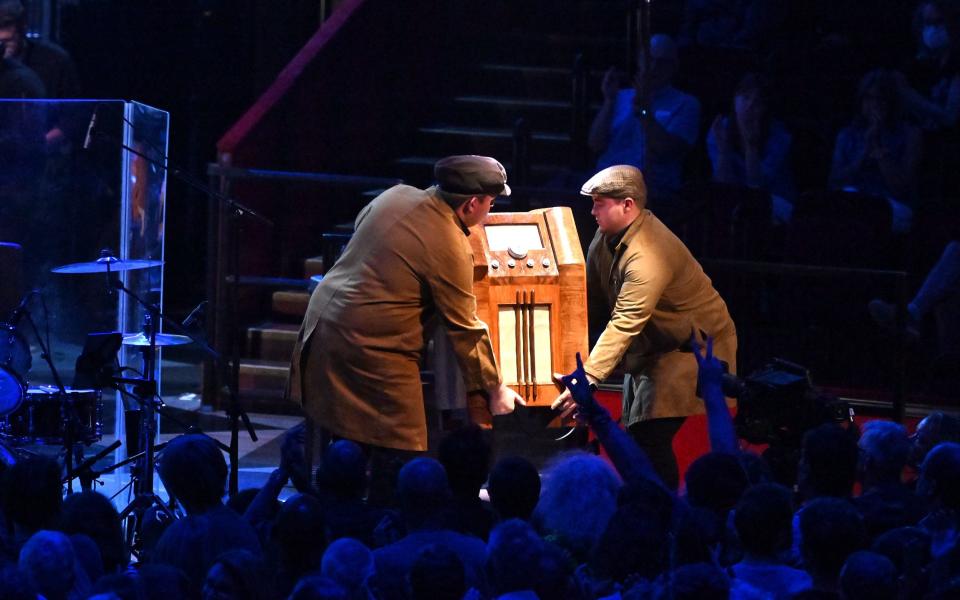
[418, 170]
[264, 375]
[545, 147]
[272, 341]
[559, 49]
[290, 303]
[313, 266]
[542, 114]
[531, 81]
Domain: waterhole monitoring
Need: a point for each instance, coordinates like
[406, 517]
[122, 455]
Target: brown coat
[652, 293]
[356, 366]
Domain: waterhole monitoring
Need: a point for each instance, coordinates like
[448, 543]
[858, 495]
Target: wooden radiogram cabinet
[530, 284]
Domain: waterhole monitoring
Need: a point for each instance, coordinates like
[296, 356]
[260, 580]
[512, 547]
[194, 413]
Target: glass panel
[63, 203]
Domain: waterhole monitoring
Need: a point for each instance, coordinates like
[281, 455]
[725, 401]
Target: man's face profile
[612, 214]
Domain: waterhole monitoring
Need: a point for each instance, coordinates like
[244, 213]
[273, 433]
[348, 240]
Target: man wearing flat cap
[649, 291]
[356, 366]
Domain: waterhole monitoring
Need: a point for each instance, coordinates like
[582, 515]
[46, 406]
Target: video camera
[778, 403]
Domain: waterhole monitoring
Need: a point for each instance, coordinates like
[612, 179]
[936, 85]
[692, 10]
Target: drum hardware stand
[70, 417]
[231, 376]
[145, 393]
[84, 471]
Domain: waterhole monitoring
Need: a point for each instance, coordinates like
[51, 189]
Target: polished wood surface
[521, 279]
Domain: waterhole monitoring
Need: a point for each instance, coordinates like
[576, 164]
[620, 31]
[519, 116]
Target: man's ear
[629, 203]
[471, 205]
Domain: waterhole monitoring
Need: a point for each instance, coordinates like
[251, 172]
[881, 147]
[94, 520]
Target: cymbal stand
[230, 376]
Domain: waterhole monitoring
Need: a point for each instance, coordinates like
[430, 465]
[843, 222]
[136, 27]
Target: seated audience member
[939, 485]
[316, 587]
[297, 540]
[879, 152]
[15, 584]
[830, 531]
[556, 574]
[237, 575]
[49, 61]
[885, 502]
[749, 147]
[30, 498]
[120, 586]
[696, 581]
[162, 582]
[631, 546]
[93, 515]
[341, 483]
[939, 27]
[932, 430]
[828, 462]
[908, 548]
[514, 488]
[465, 456]
[763, 520]
[671, 119]
[579, 497]
[350, 564]
[49, 562]
[939, 296]
[715, 482]
[437, 574]
[193, 471]
[513, 559]
[424, 495]
[868, 576]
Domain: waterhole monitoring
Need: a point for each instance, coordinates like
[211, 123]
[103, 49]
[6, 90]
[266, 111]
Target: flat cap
[618, 181]
[471, 174]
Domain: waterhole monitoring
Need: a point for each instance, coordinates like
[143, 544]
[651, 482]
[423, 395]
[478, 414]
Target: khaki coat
[356, 366]
[651, 293]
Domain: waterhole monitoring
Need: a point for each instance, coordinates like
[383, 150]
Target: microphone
[196, 316]
[93, 123]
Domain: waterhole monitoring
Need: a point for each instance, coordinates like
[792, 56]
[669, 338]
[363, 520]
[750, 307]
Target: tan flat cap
[618, 181]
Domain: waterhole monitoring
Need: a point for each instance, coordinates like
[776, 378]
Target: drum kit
[72, 417]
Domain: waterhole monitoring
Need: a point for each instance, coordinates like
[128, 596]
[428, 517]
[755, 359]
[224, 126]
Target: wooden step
[264, 375]
[418, 170]
[445, 139]
[272, 341]
[313, 266]
[290, 303]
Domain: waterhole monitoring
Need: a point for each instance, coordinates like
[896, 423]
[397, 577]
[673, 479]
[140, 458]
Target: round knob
[529, 263]
[546, 263]
[495, 264]
[511, 263]
[517, 253]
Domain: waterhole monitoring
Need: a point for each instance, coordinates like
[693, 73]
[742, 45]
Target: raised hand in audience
[710, 372]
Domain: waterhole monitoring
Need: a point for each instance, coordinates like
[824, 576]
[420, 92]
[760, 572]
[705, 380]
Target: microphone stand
[70, 417]
[237, 211]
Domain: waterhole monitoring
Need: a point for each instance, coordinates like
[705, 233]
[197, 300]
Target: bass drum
[15, 363]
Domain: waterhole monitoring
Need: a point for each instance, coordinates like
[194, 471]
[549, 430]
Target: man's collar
[615, 242]
[434, 192]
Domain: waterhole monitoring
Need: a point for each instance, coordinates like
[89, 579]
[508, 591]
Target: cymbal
[163, 339]
[100, 266]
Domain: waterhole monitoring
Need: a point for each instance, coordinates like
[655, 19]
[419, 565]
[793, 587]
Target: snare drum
[15, 362]
[41, 418]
